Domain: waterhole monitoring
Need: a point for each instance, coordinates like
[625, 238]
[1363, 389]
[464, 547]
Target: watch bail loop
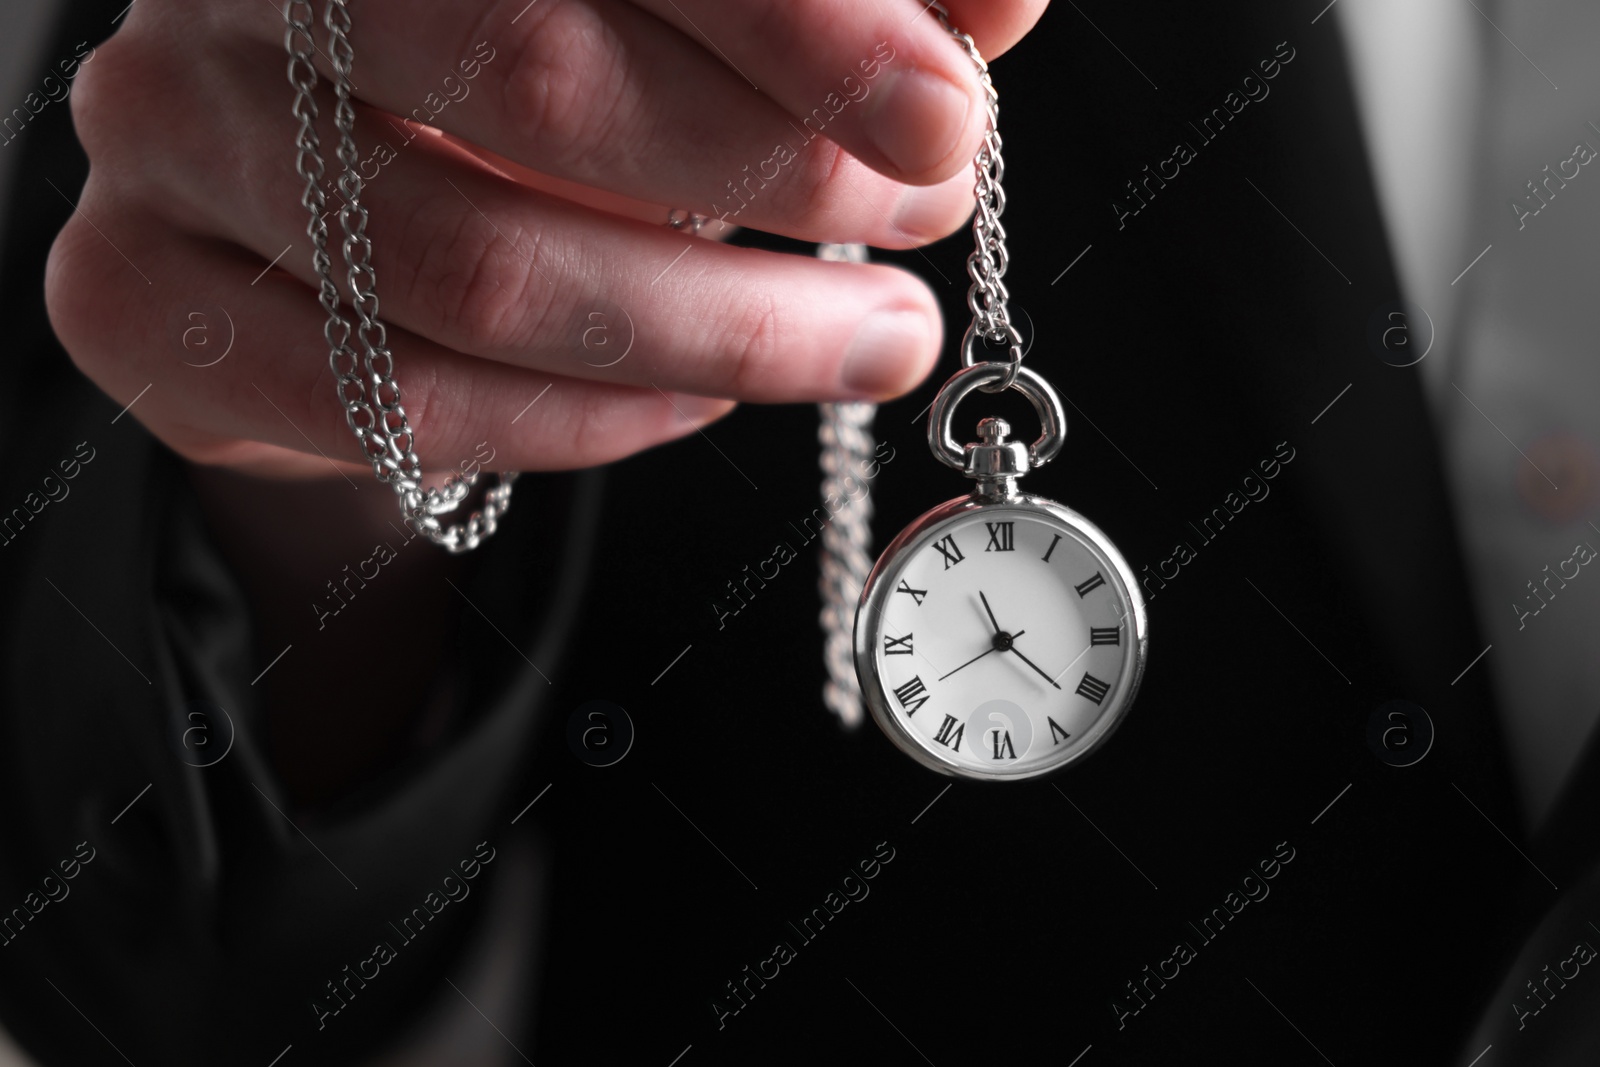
[995, 462]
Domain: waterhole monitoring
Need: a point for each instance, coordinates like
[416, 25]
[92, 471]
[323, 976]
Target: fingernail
[924, 213]
[916, 119]
[697, 409]
[884, 353]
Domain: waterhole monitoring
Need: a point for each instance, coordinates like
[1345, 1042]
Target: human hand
[527, 217]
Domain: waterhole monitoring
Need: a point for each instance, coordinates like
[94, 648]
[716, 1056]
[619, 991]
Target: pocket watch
[1001, 635]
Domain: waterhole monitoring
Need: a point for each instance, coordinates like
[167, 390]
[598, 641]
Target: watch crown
[993, 431]
[996, 462]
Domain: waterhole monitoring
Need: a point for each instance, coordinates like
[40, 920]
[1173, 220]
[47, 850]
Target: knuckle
[444, 413]
[85, 295]
[424, 404]
[581, 426]
[480, 281]
[775, 24]
[63, 291]
[589, 431]
[119, 81]
[566, 86]
[753, 349]
[820, 185]
[596, 428]
[93, 94]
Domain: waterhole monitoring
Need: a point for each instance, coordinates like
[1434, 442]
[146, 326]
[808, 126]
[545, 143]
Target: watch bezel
[876, 592]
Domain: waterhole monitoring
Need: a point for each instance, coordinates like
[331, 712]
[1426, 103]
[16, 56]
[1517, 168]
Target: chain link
[365, 384]
[683, 219]
[986, 265]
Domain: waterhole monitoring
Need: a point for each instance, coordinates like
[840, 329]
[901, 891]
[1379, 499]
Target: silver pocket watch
[1001, 635]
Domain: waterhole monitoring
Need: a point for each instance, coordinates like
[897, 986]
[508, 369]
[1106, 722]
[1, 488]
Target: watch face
[1000, 641]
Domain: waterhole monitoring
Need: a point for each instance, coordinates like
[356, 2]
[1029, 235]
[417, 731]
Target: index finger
[883, 78]
[604, 94]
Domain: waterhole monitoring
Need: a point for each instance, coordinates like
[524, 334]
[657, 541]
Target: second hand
[980, 655]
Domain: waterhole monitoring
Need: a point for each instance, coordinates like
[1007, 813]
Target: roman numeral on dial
[1052, 548]
[946, 737]
[916, 594]
[912, 695]
[1093, 688]
[897, 646]
[1105, 635]
[1091, 585]
[1000, 537]
[1055, 728]
[949, 550]
[1003, 748]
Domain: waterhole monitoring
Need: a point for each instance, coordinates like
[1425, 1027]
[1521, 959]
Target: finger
[883, 77]
[269, 404]
[480, 265]
[994, 28]
[485, 266]
[601, 93]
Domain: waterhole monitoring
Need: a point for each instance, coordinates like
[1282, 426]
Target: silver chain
[370, 396]
[986, 265]
[845, 433]
[684, 219]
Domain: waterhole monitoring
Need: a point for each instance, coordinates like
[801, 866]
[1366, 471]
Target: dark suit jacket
[1241, 874]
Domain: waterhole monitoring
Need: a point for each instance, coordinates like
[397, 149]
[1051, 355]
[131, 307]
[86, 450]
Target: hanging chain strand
[845, 434]
[366, 387]
[845, 431]
[986, 266]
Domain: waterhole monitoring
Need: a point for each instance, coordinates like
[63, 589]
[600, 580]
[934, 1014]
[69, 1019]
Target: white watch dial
[1006, 640]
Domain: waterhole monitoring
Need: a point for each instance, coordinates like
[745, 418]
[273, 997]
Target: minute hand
[1035, 666]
